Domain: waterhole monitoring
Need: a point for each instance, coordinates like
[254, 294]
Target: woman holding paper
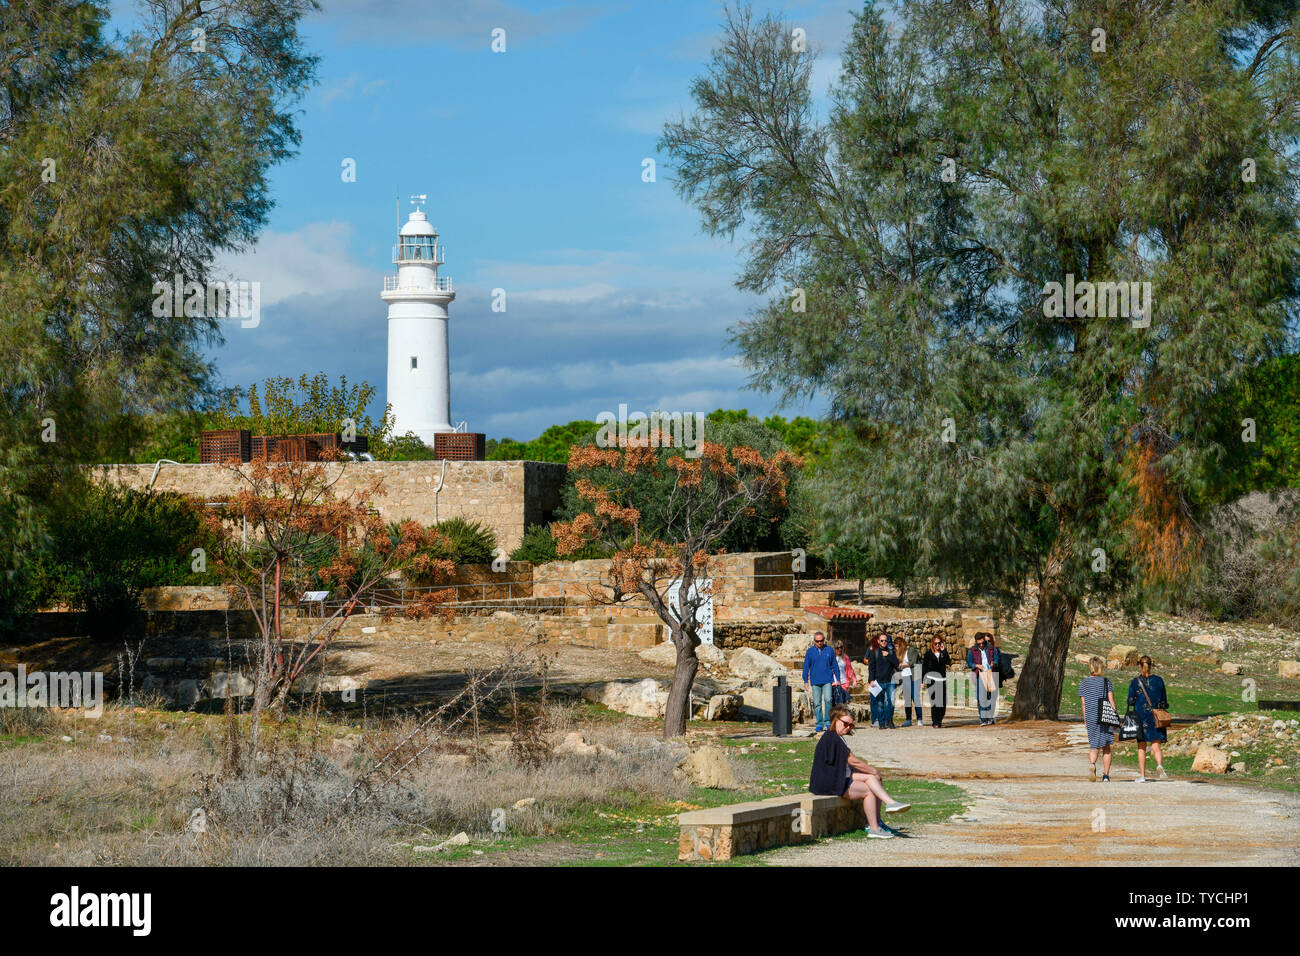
[882, 664]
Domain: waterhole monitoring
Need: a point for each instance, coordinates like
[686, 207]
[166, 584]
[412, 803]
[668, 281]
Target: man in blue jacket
[820, 671]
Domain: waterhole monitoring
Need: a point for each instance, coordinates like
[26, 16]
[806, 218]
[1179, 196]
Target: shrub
[461, 542]
[538, 546]
[110, 542]
[406, 447]
[1251, 565]
[471, 542]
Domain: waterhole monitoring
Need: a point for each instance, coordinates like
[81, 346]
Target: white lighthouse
[419, 376]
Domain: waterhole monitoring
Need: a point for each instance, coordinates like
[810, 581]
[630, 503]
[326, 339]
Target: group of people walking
[897, 673]
[837, 771]
[1145, 719]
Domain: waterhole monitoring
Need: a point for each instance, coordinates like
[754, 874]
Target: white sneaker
[1140, 780]
[1163, 775]
[896, 807]
[881, 835]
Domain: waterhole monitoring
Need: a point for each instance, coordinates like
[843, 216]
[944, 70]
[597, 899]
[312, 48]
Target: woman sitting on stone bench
[836, 772]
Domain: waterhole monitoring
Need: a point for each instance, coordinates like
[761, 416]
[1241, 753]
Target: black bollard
[781, 708]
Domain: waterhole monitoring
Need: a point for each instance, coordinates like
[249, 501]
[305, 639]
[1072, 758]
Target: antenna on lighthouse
[416, 200]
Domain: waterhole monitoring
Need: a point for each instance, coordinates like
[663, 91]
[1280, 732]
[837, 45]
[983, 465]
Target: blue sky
[532, 163]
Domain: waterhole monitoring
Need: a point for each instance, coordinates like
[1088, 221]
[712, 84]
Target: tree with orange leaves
[698, 494]
[283, 516]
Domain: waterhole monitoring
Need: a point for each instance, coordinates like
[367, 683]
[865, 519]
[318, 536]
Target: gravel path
[1032, 805]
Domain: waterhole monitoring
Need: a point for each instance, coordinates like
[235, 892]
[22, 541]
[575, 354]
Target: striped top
[1092, 689]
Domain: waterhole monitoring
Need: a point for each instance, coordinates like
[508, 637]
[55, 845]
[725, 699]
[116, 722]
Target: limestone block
[1210, 760]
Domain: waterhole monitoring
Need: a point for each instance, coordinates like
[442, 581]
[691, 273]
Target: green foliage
[930, 307]
[973, 154]
[471, 542]
[309, 404]
[127, 158]
[552, 445]
[407, 447]
[802, 435]
[1267, 395]
[108, 544]
[538, 546]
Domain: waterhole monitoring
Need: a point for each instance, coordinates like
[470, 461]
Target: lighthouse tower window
[414, 361]
[419, 248]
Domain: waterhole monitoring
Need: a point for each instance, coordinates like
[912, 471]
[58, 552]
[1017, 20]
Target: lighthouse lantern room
[419, 376]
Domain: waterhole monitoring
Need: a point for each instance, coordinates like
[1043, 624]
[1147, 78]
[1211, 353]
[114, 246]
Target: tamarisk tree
[1024, 244]
[131, 151]
[696, 499]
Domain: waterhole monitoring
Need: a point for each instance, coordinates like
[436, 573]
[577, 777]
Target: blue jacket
[821, 665]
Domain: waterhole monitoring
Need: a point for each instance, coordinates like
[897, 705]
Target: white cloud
[349, 87]
[621, 327]
[312, 260]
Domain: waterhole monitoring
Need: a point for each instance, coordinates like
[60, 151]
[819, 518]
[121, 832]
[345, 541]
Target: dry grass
[131, 801]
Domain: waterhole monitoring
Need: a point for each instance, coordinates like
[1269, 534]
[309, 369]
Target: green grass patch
[645, 833]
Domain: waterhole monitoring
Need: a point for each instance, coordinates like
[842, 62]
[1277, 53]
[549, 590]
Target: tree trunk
[679, 698]
[1038, 694]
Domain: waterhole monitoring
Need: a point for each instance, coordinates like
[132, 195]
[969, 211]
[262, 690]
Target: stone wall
[722, 833]
[583, 629]
[480, 582]
[504, 495]
[765, 636]
[185, 598]
[919, 631]
[748, 586]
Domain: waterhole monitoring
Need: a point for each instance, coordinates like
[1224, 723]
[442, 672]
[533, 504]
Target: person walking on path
[1146, 694]
[841, 692]
[882, 664]
[837, 772]
[909, 682]
[1092, 690]
[934, 671]
[982, 659]
[820, 672]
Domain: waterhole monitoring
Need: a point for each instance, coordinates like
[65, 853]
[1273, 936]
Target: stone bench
[720, 833]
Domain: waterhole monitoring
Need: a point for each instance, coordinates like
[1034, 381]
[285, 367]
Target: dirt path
[1033, 805]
